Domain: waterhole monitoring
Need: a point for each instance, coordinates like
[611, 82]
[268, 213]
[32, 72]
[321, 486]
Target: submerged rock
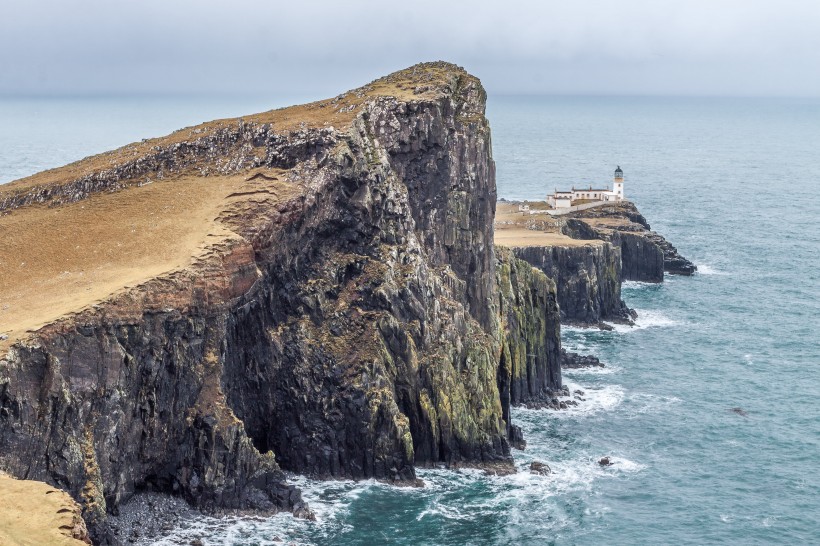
[537, 467]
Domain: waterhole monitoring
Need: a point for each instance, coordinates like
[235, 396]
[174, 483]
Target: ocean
[733, 183]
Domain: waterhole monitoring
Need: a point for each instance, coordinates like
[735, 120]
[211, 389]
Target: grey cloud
[746, 47]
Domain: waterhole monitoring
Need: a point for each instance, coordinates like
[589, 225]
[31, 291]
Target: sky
[259, 47]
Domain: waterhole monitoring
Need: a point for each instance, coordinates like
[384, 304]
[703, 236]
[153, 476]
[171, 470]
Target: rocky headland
[314, 289]
[590, 253]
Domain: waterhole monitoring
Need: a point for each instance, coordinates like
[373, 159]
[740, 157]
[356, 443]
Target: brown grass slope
[75, 236]
[35, 514]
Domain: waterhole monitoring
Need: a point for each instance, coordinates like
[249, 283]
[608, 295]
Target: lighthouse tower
[618, 186]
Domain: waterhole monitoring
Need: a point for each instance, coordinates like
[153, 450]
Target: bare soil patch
[517, 229]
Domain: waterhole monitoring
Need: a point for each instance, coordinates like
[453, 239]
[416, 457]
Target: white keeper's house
[564, 199]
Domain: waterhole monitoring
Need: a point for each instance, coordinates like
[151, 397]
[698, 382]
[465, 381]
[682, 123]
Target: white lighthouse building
[618, 185]
[564, 199]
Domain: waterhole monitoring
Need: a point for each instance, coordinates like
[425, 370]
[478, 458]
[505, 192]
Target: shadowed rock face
[529, 369]
[371, 342]
[588, 280]
[351, 326]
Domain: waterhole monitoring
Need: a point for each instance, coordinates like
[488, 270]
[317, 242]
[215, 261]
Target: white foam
[566, 476]
[329, 500]
[591, 370]
[567, 329]
[625, 465]
[706, 269]
[232, 530]
[640, 403]
[443, 510]
[646, 319]
[575, 345]
[634, 285]
[595, 400]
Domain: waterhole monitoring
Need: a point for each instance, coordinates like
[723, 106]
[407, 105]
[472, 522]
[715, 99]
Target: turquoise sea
[735, 185]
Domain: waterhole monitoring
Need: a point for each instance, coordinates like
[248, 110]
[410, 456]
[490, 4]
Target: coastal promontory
[311, 289]
[315, 289]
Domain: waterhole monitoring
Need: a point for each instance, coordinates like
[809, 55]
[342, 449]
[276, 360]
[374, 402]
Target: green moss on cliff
[530, 323]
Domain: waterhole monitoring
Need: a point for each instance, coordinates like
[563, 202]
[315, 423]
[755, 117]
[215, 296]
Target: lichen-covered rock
[529, 368]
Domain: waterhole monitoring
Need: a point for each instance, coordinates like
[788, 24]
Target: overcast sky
[700, 47]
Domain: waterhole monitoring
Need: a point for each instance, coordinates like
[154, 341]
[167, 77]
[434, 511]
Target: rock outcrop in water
[350, 321]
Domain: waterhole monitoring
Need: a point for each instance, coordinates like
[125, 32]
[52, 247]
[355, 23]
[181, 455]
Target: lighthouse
[588, 197]
[618, 186]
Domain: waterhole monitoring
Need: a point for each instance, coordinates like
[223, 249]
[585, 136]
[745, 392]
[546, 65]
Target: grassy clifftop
[34, 513]
[76, 235]
[418, 82]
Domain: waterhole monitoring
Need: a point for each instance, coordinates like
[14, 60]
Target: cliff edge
[313, 289]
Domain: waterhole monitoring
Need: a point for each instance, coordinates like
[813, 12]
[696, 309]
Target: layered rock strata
[343, 316]
[588, 254]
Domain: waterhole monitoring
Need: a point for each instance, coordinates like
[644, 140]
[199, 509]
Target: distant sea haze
[716, 177]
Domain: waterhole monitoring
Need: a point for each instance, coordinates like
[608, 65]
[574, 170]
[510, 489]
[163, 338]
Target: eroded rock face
[351, 329]
[529, 369]
[372, 341]
[587, 277]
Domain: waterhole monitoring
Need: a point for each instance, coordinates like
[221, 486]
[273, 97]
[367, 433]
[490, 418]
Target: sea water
[735, 185]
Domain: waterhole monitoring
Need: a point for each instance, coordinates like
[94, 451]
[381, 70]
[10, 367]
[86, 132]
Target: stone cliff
[313, 289]
[529, 368]
[588, 254]
[588, 278]
[645, 254]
